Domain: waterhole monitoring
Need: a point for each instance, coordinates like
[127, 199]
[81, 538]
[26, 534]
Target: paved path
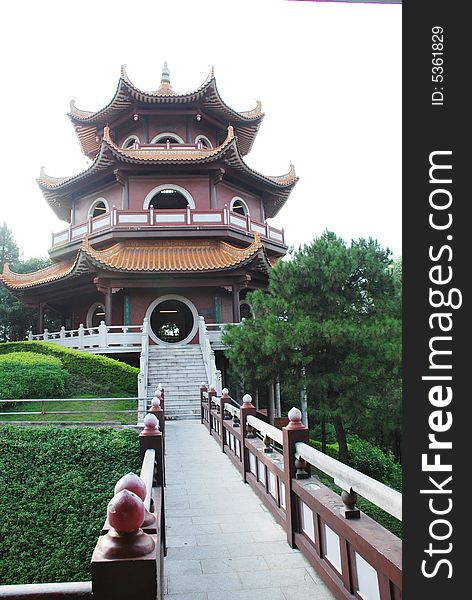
[223, 544]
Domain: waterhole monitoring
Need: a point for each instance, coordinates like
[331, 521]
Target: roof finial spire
[165, 78]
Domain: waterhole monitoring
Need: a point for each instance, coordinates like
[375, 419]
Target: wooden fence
[355, 556]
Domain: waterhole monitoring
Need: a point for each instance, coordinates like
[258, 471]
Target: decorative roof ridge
[167, 154]
[53, 272]
[80, 115]
[164, 90]
[48, 181]
[287, 180]
[253, 247]
[255, 112]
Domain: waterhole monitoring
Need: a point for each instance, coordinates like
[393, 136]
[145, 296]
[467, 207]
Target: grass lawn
[83, 407]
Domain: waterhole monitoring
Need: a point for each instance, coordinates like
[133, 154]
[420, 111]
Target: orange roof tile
[18, 281]
[158, 256]
[168, 256]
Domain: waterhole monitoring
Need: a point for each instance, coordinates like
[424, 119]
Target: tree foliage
[334, 310]
[15, 318]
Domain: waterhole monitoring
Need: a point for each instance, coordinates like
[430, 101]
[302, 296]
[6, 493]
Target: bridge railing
[355, 556]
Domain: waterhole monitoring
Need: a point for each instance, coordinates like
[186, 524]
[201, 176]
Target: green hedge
[370, 460]
[31, 375]
[54, 490]
[116, 375]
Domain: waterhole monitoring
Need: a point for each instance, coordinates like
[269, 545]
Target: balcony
[160, 220]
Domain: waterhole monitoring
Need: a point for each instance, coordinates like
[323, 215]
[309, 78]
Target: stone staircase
[181, 371]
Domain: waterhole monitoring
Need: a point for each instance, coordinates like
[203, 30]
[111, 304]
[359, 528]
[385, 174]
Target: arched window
[205, 142]
[95, 314]
[168, 197]
[99, 207]
[163, 138]
[130, 141]
[239, 206]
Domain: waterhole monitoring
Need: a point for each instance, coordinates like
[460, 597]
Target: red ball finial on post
[295, 417]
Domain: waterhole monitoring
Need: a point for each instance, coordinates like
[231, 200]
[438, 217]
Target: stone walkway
[222, 542]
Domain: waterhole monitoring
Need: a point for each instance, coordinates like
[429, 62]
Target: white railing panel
[79, 231]
[238, 221]
[275, 235]
[62, 236]
[169, 218]
[208, 218]
[259, 228]
[102, 222]
[130, 218]
[349, 479]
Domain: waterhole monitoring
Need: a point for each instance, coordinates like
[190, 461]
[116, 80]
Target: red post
[160, 390]
[293, 433]
[156, 409]
[124, 564]
[225, 397]
[203, 388]
[246, 409]
[211, 394]
[151, 437]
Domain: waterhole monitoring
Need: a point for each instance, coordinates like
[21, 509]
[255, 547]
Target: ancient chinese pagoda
[168, 222]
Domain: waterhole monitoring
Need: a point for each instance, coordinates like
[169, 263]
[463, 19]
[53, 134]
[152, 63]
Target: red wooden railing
[119, 219]
[355, 556]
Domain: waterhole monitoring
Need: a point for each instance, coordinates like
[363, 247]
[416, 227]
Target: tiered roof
[57, 189]
[153, 257]
[89, 125]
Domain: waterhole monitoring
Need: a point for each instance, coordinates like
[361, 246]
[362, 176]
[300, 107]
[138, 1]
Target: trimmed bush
[54, 490]
[31, 375]
[370, 460]
[116, 375]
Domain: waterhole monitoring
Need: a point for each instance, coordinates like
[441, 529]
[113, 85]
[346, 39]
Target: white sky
[328, 76]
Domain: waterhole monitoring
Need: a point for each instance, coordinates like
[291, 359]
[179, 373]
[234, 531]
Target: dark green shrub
[55, 485]
[116, 375]
[370, 460]
[31, 375]
[315, 433]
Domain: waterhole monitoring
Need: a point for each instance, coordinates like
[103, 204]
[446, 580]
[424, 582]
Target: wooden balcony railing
[355, 556]
[154, 220]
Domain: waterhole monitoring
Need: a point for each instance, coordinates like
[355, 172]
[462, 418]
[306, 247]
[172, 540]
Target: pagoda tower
[168, 222]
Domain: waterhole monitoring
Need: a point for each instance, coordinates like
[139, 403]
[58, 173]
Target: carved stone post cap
[156, 401]
[125, 512]
[203, 386]
[247, 399]
[295, 417]
[225, 393]
[151, 425]
[132, 483]
[212, 388]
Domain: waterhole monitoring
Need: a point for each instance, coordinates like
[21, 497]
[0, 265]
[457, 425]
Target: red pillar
[293, 433]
